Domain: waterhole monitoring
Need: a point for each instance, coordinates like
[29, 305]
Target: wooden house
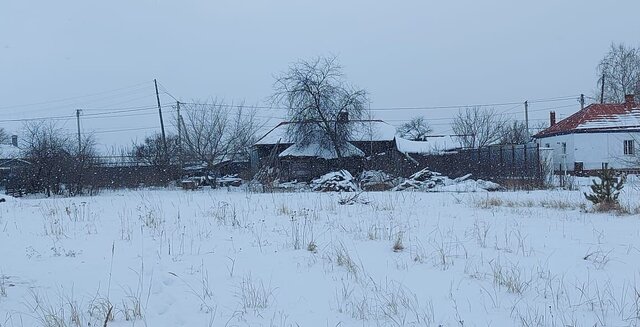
[371, 146]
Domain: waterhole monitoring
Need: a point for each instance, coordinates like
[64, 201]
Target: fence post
[488, 164]
[501, 160]
[513, 161]
[539, 165]
[525, 170]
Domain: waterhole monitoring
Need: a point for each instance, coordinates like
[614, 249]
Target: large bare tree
[476, 127]
[621, 70]
[215, 134]
[319, 101]
[416, 129]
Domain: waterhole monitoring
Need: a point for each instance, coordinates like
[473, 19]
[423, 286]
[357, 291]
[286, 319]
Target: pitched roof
[364, 130]
[9, 152]
[315, 150]
[432, 145]
[597, 118]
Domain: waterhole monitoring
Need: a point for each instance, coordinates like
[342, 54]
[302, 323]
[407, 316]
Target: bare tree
[151, 150]
[320, 102]
[85, 160]
[4, 136]
[477, 127]
[215, 134]
[47, 148]
[538, 126]
[57, 163]
[515, 133]
[621, 70]
[417, 129]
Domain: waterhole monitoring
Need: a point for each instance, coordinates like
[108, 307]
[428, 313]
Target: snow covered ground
[231, 258]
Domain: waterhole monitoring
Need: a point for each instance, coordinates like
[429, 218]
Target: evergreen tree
[605, 193]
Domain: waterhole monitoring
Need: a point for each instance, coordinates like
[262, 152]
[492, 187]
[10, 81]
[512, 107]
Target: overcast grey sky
[405, 53]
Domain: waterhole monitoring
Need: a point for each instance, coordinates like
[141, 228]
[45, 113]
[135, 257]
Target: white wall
[560, 159]
[593, 149]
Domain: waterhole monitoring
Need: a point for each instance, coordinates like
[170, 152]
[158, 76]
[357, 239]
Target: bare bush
[57, 164]
[217, 134]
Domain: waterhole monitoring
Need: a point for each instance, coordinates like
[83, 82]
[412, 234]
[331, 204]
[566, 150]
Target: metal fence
[519, 163]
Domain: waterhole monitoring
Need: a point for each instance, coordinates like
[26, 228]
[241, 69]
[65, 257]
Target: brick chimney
[552, 118]
[14, 140]
[630, 101]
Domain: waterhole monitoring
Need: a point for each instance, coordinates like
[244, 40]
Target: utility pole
[602, 90]
[581, 101]
[79, 165]
[179, 135]
[164, 137]
[79, 137]
[526, 118]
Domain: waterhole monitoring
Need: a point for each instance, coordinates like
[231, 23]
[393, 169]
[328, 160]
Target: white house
[600, 133]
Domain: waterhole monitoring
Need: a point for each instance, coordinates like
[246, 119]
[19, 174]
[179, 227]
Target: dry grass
[493, 202]
[3, 285]
[398, 246]
[254, 294]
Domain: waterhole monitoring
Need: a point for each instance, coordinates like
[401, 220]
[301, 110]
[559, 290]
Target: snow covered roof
[363, 130]
[9, 152]
[598, 118]
[433, 145]
[315, 150]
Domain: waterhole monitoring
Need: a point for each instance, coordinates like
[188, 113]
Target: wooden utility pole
[79, 137]
[526, 119]
[581, 101]
[79, 166]
[179, 135]
[602, 90]
[164, 137]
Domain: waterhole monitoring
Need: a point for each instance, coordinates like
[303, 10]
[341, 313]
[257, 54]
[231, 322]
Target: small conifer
[604, 194]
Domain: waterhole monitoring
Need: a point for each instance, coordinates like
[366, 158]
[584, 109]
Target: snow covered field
[231, 258]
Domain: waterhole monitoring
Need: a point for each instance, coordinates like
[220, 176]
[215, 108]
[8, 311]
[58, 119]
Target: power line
[123, 116]
[123, 130]
[37, 118]
[72, 98]
[485, 105]
[114, 113]
[122, 108]
[165, 91]
[118, 113]
[67, 105]
[121, 111]
[556, 107]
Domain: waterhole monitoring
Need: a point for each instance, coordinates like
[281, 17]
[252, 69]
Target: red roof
[596, 117]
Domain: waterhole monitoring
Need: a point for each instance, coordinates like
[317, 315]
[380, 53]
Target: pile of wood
[337, 181]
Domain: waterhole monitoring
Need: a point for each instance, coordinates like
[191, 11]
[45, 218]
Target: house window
[628, 147]
[564, 148]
